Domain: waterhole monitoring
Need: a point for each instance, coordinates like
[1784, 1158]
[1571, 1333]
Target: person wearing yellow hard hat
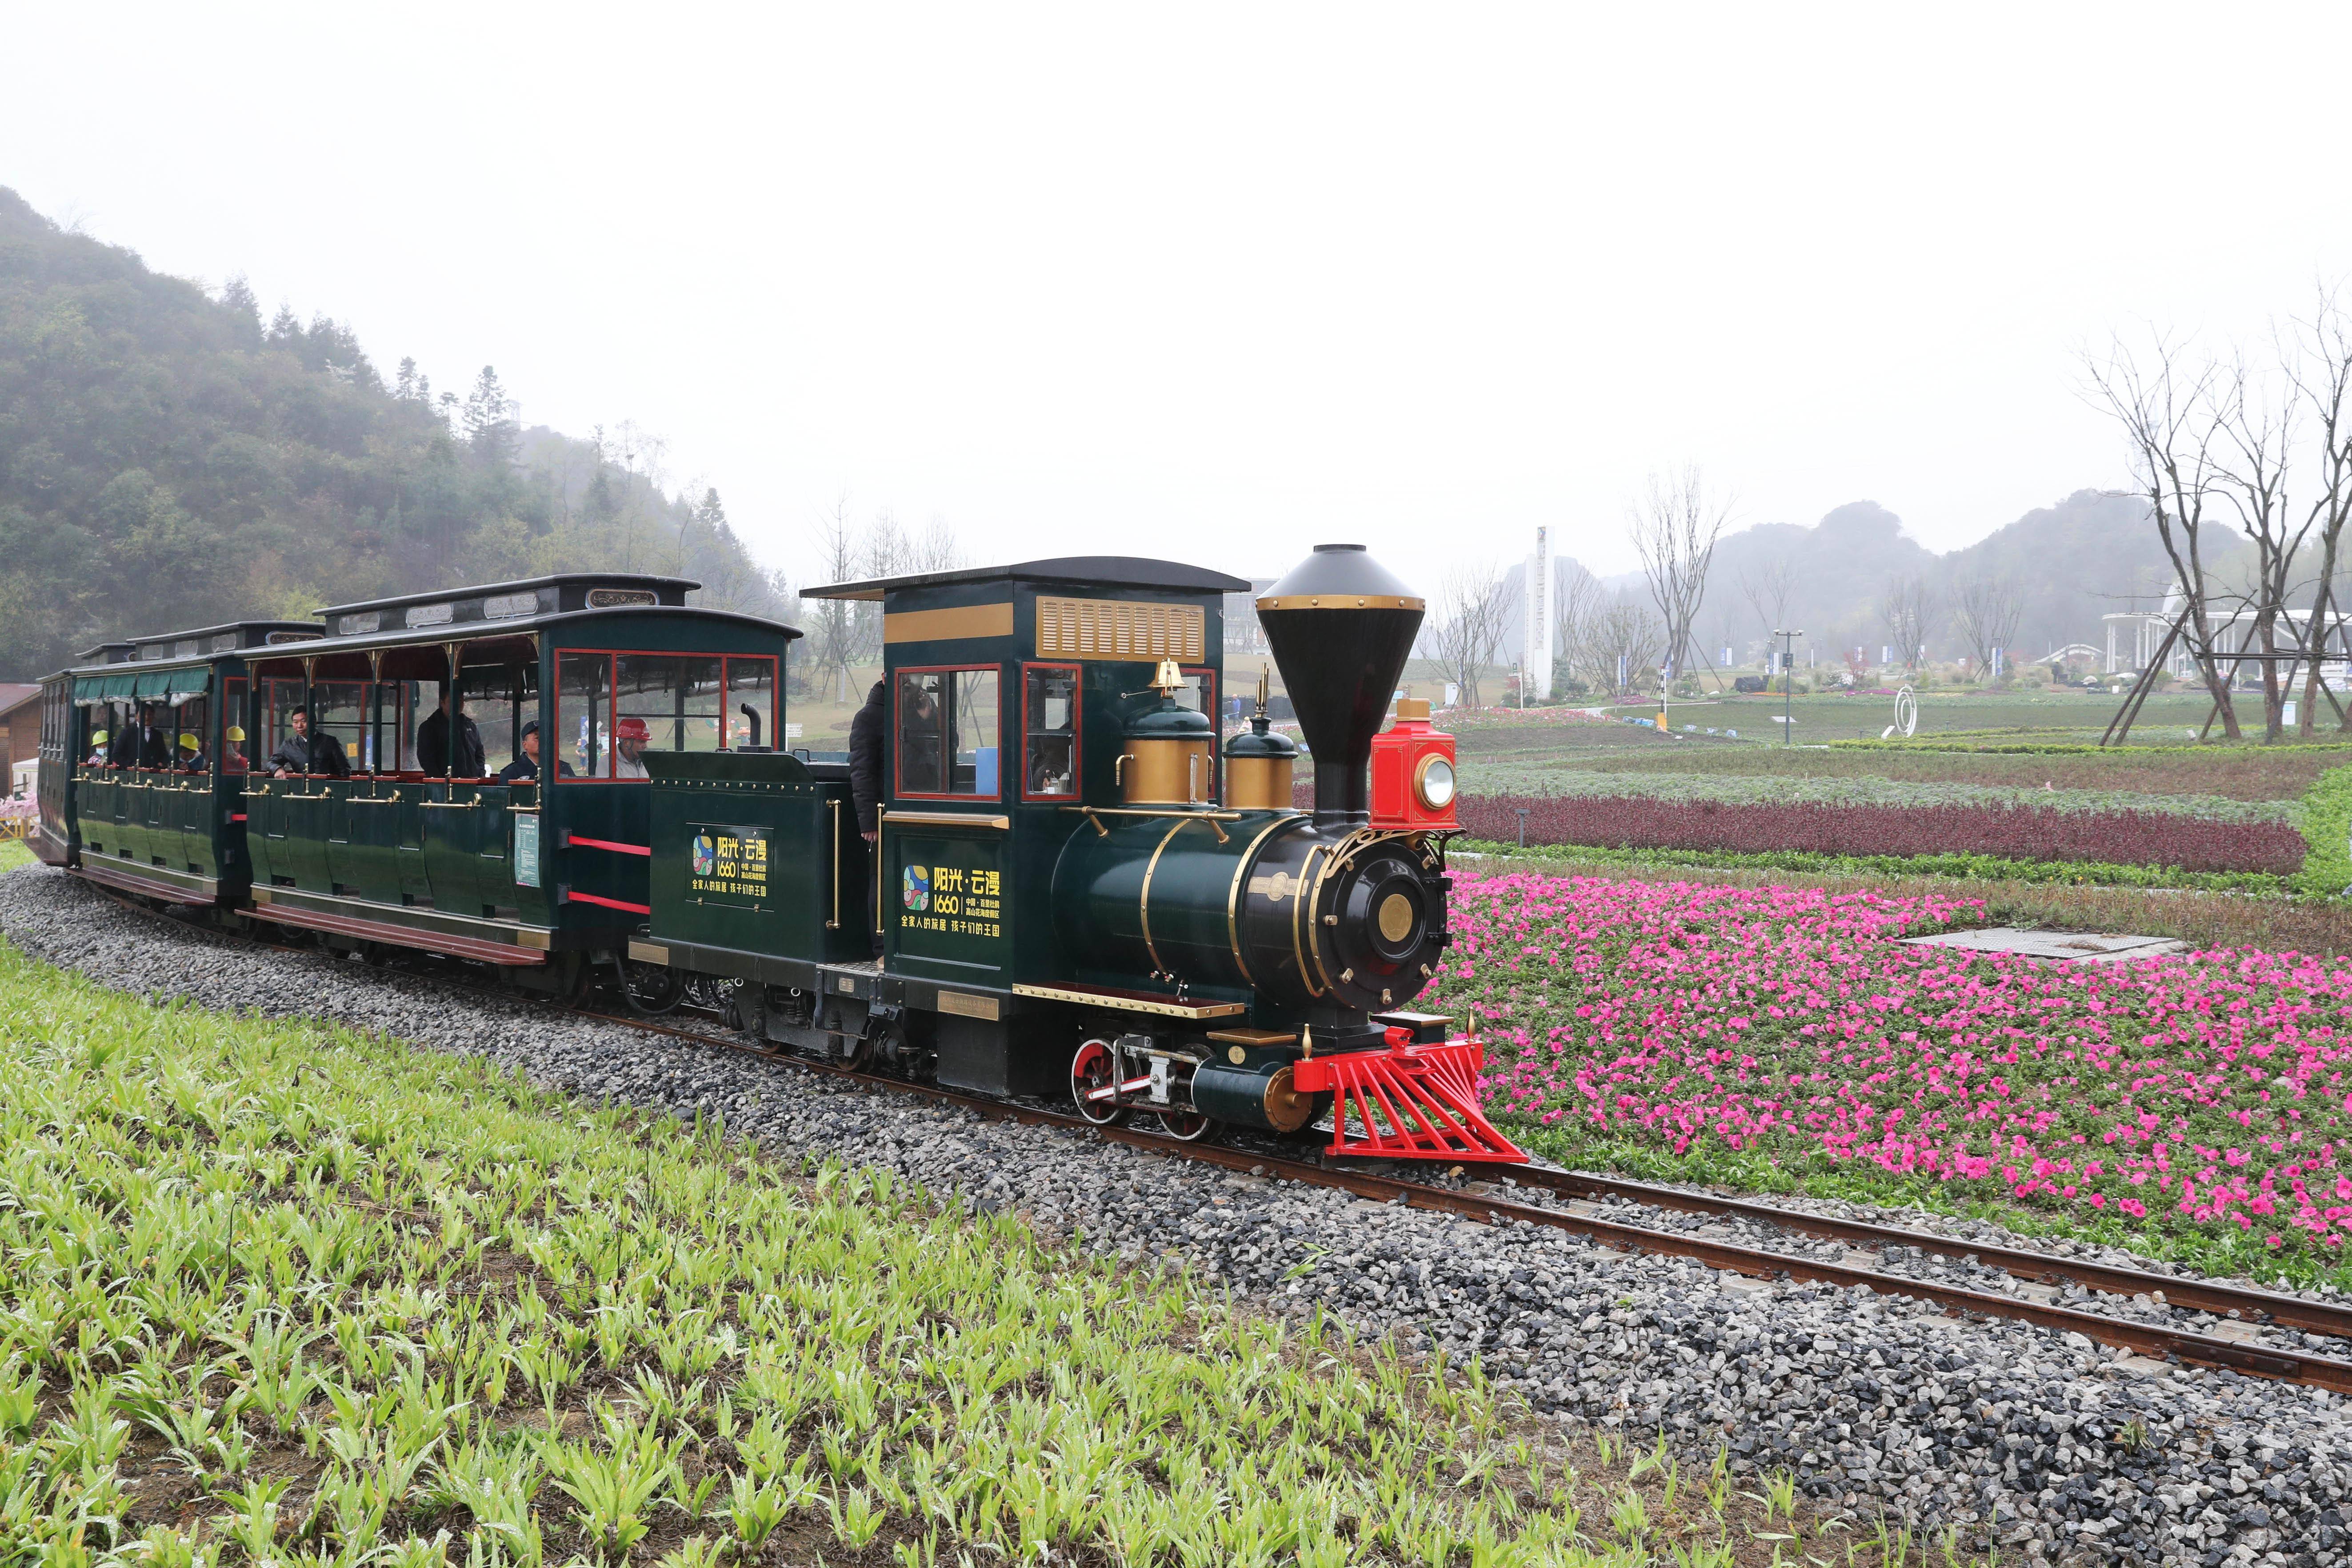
[98, 748]
[192, 755]
[233, 755]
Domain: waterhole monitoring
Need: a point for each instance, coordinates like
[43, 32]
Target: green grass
[278, 1292]
[13, 854]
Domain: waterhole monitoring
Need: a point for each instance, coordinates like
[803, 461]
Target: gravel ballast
[2047, 1443]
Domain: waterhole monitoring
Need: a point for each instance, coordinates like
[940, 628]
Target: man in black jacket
[435, 755]
[303, 753]
[869, 737]
[154, 741]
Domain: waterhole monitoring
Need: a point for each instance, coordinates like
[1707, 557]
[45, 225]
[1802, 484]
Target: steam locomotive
[1077, 889]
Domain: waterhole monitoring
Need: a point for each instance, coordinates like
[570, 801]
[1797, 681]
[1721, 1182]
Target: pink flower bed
[2210, 1095]
[2018, 833]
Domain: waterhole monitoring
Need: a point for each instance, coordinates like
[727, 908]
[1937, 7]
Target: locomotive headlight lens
[1434, 783]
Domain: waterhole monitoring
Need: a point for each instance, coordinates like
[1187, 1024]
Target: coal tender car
[1079, 890]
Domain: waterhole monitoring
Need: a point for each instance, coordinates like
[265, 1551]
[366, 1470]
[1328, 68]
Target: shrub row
[2009, 833]
[1883, 869]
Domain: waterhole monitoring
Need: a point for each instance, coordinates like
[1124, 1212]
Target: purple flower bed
[2016, 833]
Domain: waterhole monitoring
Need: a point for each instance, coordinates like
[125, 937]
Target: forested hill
[168, 459]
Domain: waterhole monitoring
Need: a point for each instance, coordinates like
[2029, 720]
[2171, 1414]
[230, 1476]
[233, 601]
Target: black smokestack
[1341, 628]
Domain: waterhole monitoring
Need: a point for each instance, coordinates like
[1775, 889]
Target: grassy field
[13, 854]
[276, 1292]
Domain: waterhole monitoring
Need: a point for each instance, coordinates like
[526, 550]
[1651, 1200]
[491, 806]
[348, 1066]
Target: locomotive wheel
[650, 989]
[1093, 1069]
[1188, 1126]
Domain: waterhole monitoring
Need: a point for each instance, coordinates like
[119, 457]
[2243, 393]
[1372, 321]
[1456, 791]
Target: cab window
[947, 732]
[1049, 724]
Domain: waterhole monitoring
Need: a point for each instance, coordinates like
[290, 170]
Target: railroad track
[2155, 1341]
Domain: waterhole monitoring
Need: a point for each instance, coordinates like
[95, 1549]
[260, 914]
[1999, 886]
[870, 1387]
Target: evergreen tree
[167, 461]
[491, 428]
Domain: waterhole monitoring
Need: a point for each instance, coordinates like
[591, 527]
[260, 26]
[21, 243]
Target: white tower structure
[1535, 657]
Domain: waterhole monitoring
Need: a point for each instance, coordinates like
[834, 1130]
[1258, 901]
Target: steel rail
[2158, 1343]
[2023, 1263]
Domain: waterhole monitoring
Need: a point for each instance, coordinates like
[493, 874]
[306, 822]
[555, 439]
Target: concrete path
[2066, 946]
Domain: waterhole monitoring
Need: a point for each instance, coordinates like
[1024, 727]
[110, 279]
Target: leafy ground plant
[275, 1293]
[1778, 1037]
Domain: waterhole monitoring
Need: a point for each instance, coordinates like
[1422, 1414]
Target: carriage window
[751, 703]
[1049, 705]
[947, 731]
[188, 723]
[500, 700]
[663, 702]
[583, 713]
[339, 708]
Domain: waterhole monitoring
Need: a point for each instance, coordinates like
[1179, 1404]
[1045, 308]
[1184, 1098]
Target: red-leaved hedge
[2016, 833]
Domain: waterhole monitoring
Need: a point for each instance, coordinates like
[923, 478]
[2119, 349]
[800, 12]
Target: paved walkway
[2066, 946]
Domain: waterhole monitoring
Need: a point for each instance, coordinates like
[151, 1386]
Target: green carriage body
[174, 832]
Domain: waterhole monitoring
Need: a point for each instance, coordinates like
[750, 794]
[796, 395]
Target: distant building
[20, 725]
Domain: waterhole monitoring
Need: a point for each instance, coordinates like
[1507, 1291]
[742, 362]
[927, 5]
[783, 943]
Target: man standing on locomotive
[868, 734]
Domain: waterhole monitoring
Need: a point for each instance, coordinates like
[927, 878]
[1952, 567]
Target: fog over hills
[2084, 557]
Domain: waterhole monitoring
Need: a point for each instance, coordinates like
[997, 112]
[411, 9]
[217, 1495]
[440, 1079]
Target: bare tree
[834, 636]
[1988, 609]
[2320, 366]
[1577, 598]
[1624, 644]
[1767, 585]
[935, 550]
[1905, 608]
[1470, 621]
[1675, 528]
[2171, 423]
[2258, 439]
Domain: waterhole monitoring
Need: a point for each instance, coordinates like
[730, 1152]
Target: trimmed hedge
[2070, 749]
[1979, 867]
[2025, 833]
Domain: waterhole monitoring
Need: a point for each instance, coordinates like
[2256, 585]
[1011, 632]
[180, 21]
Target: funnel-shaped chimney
[1341, 628]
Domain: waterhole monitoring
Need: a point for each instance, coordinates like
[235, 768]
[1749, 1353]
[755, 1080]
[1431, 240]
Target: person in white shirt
[629, 738]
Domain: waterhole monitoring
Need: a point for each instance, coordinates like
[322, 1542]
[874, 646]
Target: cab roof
[1083, 571]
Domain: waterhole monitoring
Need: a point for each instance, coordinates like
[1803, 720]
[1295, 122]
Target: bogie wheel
[1092, 1071]
[1188, 1126]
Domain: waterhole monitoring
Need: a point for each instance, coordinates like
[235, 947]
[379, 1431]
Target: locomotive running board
[1132, 1001]
[499, 953]
[1408, 1102]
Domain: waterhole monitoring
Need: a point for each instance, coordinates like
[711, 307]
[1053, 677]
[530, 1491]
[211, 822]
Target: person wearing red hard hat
[629, 738]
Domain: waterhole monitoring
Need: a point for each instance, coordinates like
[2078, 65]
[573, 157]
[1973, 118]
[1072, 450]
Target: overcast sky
[1216, 284]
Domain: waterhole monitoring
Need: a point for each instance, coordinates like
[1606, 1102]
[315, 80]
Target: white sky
[1216, 284]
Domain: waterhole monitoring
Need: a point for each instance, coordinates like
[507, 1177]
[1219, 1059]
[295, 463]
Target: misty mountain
[167, 459]
[2071, 563]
